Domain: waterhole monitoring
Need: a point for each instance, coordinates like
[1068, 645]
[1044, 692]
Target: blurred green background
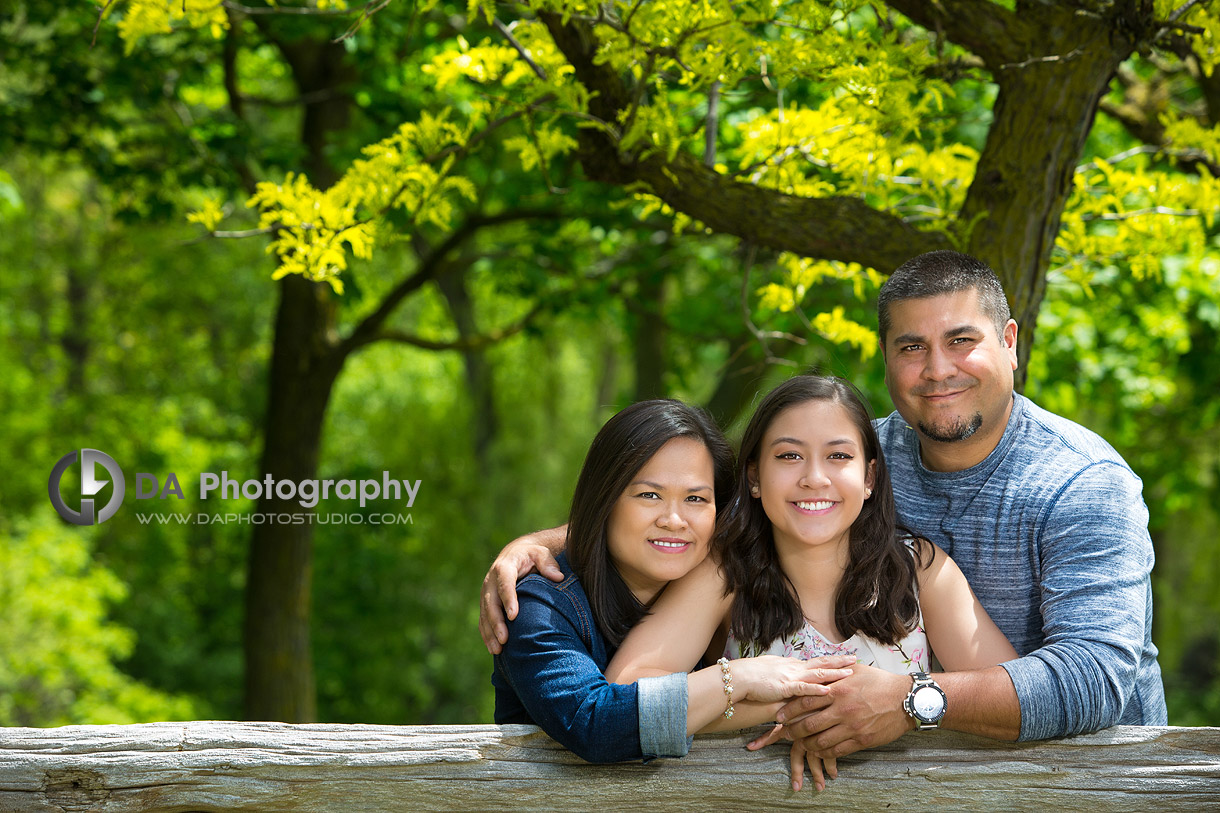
[125, 330]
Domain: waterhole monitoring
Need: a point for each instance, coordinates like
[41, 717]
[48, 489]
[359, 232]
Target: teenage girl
[810, 562]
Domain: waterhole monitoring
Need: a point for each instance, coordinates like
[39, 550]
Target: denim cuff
[662, 710]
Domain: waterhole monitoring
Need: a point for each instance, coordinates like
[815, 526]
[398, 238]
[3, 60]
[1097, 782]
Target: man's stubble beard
[959, 430]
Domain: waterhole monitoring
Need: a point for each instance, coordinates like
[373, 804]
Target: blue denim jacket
[550, 674]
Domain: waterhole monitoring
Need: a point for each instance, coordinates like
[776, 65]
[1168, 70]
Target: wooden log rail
[227, 766]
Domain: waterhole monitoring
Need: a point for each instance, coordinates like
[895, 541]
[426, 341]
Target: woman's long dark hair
[622, 447]
[877, 593]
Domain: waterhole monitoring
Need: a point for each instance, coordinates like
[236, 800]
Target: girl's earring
[868, 492]
[753, 491]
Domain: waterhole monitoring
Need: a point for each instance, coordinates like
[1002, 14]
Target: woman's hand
[771, 679]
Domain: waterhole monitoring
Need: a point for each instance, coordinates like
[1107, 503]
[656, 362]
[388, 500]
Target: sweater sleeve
[1095, 557]
[552, 671]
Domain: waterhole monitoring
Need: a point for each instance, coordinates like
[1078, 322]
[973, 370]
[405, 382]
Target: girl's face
[811, 475]
[660, 526]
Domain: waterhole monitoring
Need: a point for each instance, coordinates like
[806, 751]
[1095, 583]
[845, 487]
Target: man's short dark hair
[943, 272]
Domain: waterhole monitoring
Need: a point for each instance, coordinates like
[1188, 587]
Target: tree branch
[839, 228]
[982, 27]
[1144, 100]
[465, 343]
[370, 328]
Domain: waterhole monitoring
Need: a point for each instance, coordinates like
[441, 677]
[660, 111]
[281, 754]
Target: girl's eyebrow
[796, 442]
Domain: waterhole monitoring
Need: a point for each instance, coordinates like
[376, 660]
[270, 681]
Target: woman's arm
[959, 630]
[552, 672]
[673, 636]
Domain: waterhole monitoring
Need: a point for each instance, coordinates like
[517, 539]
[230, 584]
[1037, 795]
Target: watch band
[926, 715]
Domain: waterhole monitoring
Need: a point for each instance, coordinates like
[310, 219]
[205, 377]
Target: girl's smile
[811, 474]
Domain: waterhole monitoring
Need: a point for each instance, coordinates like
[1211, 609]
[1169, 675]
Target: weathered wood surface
[215, 766]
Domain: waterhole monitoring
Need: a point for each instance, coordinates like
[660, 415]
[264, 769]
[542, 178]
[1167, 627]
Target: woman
[643, 513]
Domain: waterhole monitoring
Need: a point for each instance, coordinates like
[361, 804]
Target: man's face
[950, 375]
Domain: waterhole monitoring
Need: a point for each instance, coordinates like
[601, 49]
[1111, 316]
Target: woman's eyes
[787, 456]
[652, 495]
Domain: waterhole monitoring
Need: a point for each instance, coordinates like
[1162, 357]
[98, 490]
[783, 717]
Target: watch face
[928, 703]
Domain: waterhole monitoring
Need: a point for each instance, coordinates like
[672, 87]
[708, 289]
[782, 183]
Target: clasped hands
[860, 711]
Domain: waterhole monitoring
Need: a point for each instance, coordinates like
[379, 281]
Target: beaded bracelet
[727, 677]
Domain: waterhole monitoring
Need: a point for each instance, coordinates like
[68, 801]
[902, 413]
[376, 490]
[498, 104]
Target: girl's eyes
[795, 456]
[696, 498]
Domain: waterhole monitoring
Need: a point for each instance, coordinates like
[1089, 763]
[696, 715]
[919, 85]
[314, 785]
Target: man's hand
[519, 558]
[861, 711]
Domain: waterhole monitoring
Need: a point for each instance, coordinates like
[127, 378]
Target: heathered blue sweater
[1051, 531]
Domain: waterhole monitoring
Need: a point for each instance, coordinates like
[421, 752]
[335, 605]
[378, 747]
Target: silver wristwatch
[926, 702]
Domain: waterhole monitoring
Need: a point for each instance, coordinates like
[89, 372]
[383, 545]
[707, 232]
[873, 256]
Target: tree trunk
[279, 666]
[648, 340]
[1042, 116]
[279, 681]
[479, 379]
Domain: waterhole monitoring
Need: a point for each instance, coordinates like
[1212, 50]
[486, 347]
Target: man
[1043, 516]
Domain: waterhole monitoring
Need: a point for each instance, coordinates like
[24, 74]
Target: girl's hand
[818, 768]
[771, 679]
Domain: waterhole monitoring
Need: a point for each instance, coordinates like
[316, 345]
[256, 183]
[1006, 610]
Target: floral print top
[910, 655]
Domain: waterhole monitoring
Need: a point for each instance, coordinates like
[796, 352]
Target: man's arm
[519, 558]
[865, 710]
[1096, 557]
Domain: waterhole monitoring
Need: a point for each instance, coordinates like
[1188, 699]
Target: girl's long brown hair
[876, 596]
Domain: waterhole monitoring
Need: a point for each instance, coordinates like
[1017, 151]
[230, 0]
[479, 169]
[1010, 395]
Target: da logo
[90, 485]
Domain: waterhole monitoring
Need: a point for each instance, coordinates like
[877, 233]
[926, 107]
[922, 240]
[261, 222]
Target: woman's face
[812, 475]
[661, 524]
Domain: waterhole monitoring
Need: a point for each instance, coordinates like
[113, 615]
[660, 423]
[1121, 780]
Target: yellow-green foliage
[1134, 217]
[146, 18]
[800, 275]
[839, 105]
[57, 665]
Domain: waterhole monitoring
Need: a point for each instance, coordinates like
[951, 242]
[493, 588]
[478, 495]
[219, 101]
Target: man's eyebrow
[908, 338]
[918, 338]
